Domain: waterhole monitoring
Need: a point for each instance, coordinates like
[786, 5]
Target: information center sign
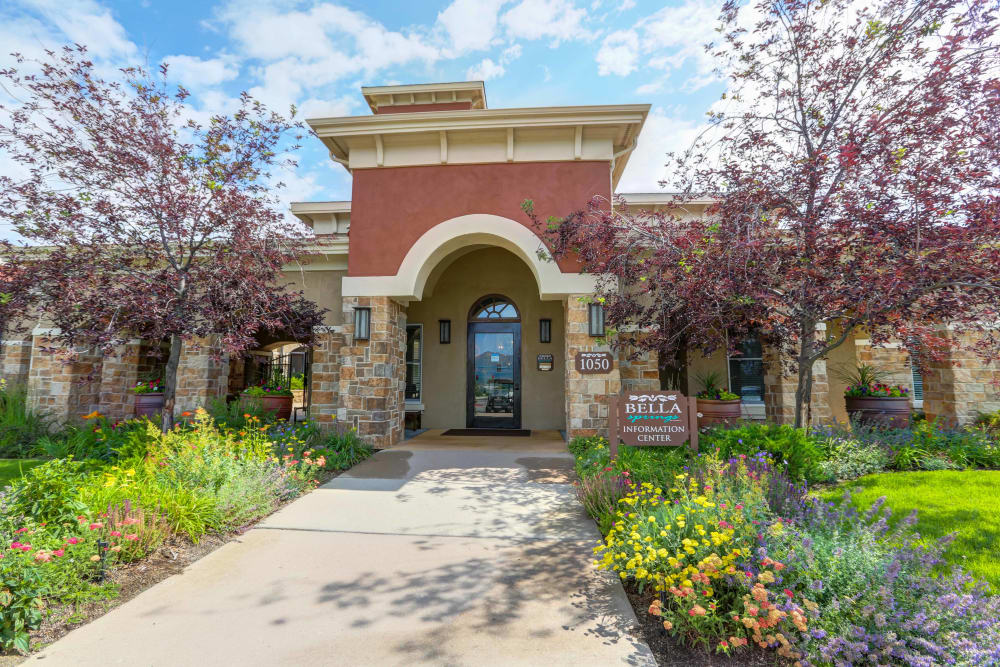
[654, 418]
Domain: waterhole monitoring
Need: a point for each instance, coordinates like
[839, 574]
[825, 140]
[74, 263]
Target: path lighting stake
[362, 323]
[102, 551]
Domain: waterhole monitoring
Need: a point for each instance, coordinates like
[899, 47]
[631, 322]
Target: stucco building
[441, 311]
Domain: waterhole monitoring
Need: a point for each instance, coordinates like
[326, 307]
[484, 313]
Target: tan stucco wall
[322, 287]
[840, 359]
[460, 285]
[700, 365]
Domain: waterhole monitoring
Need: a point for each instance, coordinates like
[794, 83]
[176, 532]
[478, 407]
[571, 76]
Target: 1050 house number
[593, 363]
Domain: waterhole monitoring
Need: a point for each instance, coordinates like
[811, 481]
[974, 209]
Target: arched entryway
[493, 364]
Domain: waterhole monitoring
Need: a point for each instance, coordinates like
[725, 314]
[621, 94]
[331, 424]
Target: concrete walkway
[444, 551]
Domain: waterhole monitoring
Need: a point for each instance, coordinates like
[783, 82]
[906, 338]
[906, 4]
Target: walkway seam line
[531, 538]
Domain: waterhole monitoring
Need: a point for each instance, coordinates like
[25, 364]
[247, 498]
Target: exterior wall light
[362, 323]
[444, 331]
[596, 319]
[545, 330]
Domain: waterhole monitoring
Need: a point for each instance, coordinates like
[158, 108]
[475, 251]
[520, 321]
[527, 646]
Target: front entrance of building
[493, 365]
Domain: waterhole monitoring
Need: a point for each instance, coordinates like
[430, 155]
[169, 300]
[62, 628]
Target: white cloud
[471, 24]
[626, 5]
[194, 72]
[649, 88]
[619, 53]
[557, 20]
[85, 22]
[662, 133]
[485, 70]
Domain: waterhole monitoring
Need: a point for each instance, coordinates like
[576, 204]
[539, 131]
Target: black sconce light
[596, 319]
[362, 323]
[444, 331]
[545, 330]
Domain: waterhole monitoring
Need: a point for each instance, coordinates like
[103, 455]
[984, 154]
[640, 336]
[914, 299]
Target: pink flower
[21, 530]
[58, 553]
[25, 547]
[116, 533]
[96, 526]
[131, 537]
[739, 507]
[72, 540]
[43, 556]
[15, 545]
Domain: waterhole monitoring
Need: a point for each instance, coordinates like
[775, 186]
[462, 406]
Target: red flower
[789, 594]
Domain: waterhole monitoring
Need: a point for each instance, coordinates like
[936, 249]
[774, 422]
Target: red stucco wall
[392, 207]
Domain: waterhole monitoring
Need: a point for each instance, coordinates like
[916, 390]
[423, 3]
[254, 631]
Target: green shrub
[847, 458]
[344, 450]
[793, 449]
[656, 465]
[599, 494]
[47, 494]
[239, 414]
[20, 426]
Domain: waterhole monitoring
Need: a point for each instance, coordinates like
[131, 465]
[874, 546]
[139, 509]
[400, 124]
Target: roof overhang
[379, 97]
[620, 124]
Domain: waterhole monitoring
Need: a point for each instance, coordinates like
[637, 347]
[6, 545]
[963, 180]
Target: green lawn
[966, 502]
[10, 469]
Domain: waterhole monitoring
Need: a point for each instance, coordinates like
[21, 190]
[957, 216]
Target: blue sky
[318, 53]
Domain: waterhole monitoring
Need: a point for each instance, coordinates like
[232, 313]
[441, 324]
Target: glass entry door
[493, 386]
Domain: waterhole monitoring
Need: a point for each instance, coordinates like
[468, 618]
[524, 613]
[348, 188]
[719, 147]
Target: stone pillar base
[63, 384]
[202, 374]
[586, 395]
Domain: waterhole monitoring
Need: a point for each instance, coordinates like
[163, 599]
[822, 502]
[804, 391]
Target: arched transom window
[494, 308]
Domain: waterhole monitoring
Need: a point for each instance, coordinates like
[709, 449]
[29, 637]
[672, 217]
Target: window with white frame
[918, 385]
[414, 361]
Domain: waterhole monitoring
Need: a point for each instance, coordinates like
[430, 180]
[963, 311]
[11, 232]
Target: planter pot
[148, 405]
[880, 411]
[718, 412]
[281, 406]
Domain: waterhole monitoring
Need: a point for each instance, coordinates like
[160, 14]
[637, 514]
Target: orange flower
[186, 413]
[93, 415]
[246, 415]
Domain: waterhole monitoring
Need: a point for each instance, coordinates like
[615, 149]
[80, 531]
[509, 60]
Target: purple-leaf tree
[138, 221]
[854, 166]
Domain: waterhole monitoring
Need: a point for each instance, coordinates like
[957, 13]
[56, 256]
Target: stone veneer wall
[780, 386]
[66, 385]
[373, 372]
[641, 373]
[16, 360]
[960, 386]
[324, 378]
[586, 395]
[119, 372]
[202, 375]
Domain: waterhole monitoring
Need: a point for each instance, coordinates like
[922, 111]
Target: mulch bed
[669, 652]
[133, 578]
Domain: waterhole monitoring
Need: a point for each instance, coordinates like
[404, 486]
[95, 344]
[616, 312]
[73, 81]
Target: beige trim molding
[450, 236]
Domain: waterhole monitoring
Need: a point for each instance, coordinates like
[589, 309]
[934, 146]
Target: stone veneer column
[324, 376]
[202, 375]
[66, 385]
[960, 386]
[373, 372]
[586, 395]
[16, 359]
[119, 373]
[641, 373]
[780, 386]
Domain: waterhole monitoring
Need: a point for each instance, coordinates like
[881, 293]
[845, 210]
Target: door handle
[517, 387]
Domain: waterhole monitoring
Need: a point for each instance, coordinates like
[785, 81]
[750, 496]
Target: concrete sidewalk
[442, 551]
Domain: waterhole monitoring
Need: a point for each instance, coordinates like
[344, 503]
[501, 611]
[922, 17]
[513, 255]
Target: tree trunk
[170, 382]
[803, 390]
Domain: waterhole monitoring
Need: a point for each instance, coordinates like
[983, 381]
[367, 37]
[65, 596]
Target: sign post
[653, 418]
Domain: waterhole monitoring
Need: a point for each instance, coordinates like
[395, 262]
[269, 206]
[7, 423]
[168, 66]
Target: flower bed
[735, 557]
[66, 523]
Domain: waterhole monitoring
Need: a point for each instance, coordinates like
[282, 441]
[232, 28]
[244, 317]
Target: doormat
[509, 432]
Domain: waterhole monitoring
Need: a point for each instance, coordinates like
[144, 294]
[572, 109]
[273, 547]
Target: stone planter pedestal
[718, 412]
[891, 412]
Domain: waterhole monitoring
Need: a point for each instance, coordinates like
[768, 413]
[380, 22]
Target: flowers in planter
[712, 391]
[148, 387]
[876, 390]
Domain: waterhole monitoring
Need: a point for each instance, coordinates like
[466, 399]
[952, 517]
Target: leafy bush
[46, 494]
[343, 450]
[20, 426]
[794, 449]
[656, 465]
[239, 414]
[847, 458]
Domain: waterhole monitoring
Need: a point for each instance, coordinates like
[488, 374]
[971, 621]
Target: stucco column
[586, 395]
[373, 372]
[16, 359]
[202, 374]
[960, 386]
[65, 384]
[324, 376]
